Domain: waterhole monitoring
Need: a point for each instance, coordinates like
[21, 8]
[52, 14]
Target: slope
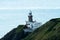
[15, 34]
[48, 31]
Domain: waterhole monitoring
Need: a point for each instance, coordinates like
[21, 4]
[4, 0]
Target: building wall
[33, 25]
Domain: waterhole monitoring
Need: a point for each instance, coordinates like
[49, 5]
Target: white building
[31, 25]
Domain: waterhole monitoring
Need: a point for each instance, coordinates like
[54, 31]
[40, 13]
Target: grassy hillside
[48, 31]
[15, 34]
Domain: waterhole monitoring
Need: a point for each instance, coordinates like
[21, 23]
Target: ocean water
[11, 18]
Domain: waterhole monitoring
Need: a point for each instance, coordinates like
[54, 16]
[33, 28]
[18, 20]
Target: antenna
[30, 12]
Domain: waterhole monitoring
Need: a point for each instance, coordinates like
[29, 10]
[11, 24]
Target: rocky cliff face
[48, 31]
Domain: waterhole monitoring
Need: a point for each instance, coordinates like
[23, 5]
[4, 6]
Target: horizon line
[30, 8]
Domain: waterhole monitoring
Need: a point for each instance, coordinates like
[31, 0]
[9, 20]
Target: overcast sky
[16, 4]
[15, 12]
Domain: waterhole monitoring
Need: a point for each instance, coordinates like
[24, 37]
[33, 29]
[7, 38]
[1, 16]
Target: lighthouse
[30, 17]
[31, 25]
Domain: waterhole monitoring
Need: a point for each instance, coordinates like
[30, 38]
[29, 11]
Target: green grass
[46, 31]
[19, 28]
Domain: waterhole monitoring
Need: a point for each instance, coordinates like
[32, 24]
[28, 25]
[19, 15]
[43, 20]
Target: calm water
[10, 19]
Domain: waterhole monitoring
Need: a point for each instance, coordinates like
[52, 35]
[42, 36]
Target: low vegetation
[48, 31]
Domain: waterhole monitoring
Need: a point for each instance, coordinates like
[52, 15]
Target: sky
[15, 12]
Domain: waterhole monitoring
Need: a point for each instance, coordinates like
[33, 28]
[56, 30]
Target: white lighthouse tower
[31, 25]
